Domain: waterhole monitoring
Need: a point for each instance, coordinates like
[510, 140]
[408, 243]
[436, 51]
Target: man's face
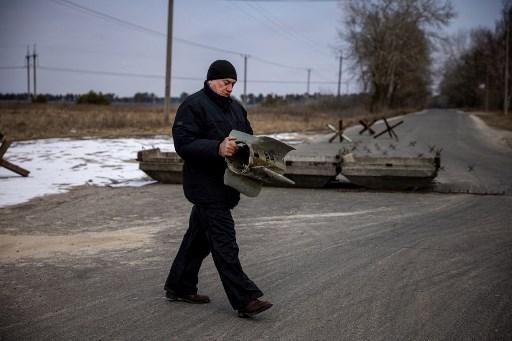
[222, 87]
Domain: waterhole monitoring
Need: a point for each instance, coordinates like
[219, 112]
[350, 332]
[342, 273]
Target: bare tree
[391, 42]
[475, 72]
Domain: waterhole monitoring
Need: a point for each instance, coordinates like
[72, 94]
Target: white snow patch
[290, 138]
[56, 165]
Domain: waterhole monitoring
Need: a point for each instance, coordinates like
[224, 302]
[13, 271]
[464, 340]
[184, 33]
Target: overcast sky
[295, 35]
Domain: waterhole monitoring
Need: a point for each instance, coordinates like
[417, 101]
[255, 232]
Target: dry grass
[29, 121]
[308, 118]
[32, 121]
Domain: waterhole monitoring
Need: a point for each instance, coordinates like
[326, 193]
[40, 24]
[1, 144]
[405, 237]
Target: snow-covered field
[56, 165]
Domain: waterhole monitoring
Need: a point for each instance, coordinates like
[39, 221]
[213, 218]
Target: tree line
[91, 97]
[474, 72]
[268, 100]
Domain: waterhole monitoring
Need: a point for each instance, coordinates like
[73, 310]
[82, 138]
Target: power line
[118, 21]
[103, 73]
[275, 25]
[154, 76]
[11, 67]
[189, 42]
[140, 28]
[261, 60]
[286, 28]
[137, 27]
[107, 17]
[289, 82]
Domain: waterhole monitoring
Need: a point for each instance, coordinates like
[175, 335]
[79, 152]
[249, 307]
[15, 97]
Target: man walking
[200, 132]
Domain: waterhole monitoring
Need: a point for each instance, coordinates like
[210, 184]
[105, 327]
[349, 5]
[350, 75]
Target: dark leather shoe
[254, 307]
[190, 298]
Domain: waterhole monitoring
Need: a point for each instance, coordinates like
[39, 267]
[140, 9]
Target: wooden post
[168, 63]
[339, 76]
[245, 80]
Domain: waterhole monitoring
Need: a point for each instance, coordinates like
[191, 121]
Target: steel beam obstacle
[389, 129]
[6, 164]
[367, 126]
[338, 132]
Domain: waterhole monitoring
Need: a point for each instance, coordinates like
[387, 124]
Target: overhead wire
[12, 67]
[107, 17]
[105, 73]
[274, 26]
[134, 26]
[140, 28]
[64, 49]
[284, 30]
[261, 60]
[155, 76]
[287, 29]
[113, 19]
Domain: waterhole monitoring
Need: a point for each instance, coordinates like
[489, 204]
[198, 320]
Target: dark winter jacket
[202, 122]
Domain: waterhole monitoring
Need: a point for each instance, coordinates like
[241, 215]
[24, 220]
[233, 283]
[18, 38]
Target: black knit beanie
[221, 69]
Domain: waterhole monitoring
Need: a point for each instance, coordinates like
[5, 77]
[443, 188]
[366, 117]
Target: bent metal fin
[277, 177]
[242, 184]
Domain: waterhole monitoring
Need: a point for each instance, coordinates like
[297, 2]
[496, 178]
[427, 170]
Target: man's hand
[228, 147]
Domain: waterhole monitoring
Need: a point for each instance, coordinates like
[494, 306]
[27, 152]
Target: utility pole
[487, 87]
[245, 79]
[167, 101]
[309, 77]
[27, 57]
[339, 75]
[34, 57]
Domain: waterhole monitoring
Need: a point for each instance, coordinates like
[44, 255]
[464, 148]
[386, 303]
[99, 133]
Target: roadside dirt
[87, 220]
[498, 120]
[500, 131]
[14, 247]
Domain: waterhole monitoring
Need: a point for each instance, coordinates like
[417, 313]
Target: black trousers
[211, 229]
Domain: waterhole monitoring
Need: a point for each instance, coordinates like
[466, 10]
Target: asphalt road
[338, 264]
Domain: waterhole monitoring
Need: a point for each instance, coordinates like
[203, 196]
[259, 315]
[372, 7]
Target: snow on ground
[56, 165]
